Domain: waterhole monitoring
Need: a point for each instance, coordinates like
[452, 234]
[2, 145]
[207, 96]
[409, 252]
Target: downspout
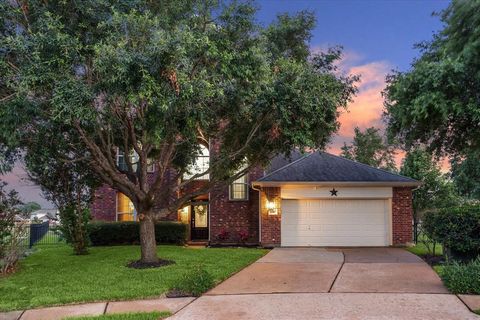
[259, 213]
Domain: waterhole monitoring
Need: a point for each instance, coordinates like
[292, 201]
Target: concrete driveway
[319, 283]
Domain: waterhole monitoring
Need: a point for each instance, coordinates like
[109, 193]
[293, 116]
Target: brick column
[402, 216]
[270, 224]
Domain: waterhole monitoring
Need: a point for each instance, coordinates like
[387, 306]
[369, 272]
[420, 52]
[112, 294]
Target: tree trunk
[147, 238]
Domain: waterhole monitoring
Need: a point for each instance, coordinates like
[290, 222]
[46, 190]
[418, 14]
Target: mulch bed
[137, 264]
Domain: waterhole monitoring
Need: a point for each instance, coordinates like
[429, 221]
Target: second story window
[122, 164]
[202, 163]
[238, 190]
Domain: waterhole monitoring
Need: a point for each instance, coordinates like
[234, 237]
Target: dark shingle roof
[325, 167]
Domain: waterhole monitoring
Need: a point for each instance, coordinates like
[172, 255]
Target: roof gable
[325, 167]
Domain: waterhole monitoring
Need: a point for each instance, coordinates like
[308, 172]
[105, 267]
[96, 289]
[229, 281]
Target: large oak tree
[155, 80]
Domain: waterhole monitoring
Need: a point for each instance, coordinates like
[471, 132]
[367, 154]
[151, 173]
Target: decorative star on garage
[333, 192]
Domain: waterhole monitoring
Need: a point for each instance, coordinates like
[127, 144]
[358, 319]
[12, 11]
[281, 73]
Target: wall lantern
[271, 208]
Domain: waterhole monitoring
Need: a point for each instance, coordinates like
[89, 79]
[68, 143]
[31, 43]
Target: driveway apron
[319, 283]
[286, 270]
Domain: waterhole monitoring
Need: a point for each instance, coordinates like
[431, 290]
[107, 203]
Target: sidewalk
[98, 308]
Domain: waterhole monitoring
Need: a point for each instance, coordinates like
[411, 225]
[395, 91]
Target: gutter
[336, 183]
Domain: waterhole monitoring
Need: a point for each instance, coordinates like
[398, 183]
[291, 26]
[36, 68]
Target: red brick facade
[402, 215]
[231, 218]
[104, 206]
[270, 223]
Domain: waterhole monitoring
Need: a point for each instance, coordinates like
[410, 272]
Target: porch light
[271, 208]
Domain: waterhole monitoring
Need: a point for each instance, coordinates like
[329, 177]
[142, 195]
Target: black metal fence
[43, 233]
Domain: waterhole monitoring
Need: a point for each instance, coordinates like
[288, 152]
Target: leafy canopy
[155, 80]
[465, 172]
[436, 102]
[369, 147]
[436, 191]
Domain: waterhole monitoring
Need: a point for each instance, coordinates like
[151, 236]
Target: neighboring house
[315, 199]
[43, 215]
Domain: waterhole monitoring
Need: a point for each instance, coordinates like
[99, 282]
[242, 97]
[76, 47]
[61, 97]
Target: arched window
[202, 163]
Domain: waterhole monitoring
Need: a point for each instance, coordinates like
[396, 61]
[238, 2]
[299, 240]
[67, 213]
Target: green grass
[54, 276]
[126, 316]
[477, 311]
[420, 249]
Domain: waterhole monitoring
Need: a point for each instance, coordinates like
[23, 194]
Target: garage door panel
[334, 223]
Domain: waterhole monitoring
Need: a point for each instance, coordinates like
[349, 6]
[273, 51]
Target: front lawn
[127, 316]
[54, 276]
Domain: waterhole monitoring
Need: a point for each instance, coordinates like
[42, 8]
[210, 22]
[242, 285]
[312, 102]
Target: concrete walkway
[95, 309]
[316, 283]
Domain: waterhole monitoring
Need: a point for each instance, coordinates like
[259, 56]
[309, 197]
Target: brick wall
[235, 216]
[270, 224]
[104, 204]
[402, 213]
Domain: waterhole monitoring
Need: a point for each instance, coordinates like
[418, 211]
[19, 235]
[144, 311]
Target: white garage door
[335, 223]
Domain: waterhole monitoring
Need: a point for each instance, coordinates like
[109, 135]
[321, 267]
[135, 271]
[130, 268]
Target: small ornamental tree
[66, 179]
[156, 81]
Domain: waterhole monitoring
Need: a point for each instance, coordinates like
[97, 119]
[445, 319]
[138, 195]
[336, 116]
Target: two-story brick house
[314, 199]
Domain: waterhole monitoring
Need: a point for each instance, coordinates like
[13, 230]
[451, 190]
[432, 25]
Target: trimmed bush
[462, 278]
[457, 229]
[125, 233]
[194, 282]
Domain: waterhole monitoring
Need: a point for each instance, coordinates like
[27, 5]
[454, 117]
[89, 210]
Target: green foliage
[61, 277]
[194, 282]
[436, 190]
[12, 233]
[97, 77]
[466, 174]
[456, 228]
[369, 147]
[121, 233]
[127, 316]
[74, 227]
[436, 102]
[462, 278]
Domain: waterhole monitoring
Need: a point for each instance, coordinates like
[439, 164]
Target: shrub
[125, 233]
[457, 229]
[194, 282]
[462, 278]
[74, 227]
[223, 235]
[243, 236]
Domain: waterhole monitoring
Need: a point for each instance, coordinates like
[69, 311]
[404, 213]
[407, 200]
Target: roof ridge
[303, 157]
[368, 166]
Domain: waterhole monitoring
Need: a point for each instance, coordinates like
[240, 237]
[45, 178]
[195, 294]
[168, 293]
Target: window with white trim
[125, 208]
[202, 163]
[238, 189]
[134, 158]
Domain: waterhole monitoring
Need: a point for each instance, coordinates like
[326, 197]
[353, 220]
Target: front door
[199, 221]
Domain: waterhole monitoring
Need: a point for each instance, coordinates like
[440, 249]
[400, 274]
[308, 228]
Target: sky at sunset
[377, 36]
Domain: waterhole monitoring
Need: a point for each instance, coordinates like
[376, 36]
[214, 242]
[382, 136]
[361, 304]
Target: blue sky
[376, 29]
[377, 36]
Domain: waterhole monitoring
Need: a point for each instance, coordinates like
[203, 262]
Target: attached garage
[327, 201]
[335, 223]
